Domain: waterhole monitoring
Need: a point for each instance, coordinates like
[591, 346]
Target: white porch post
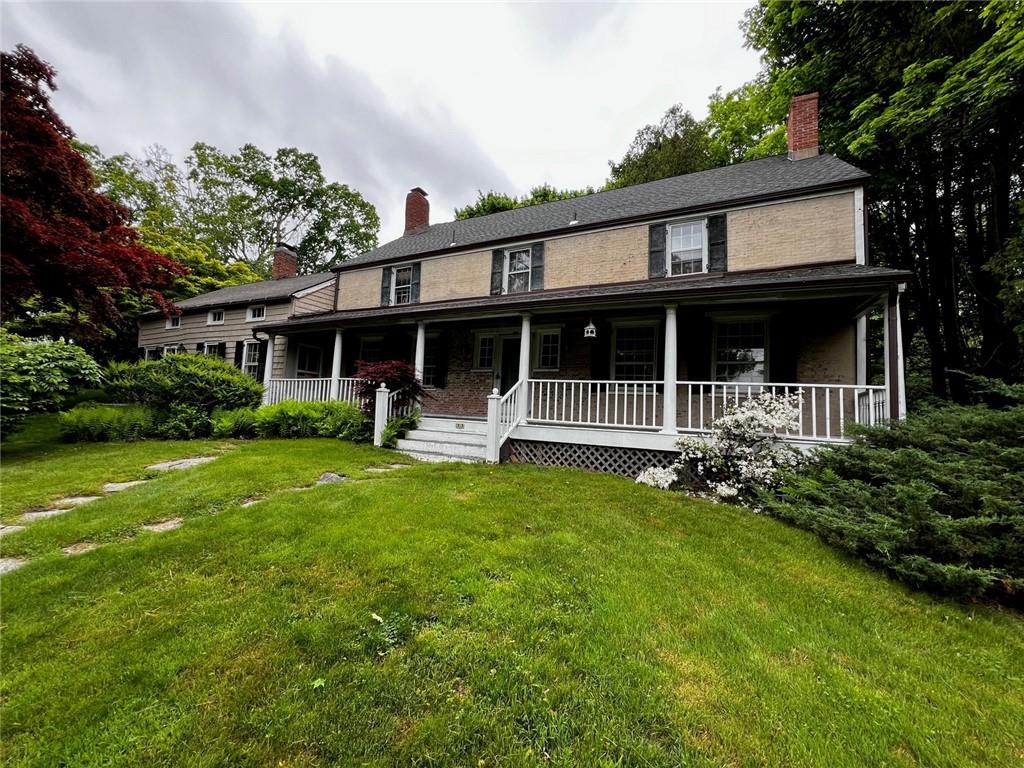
[492, 450]
[336, 366]
[671, 365]
[268, 367]
[524, 368]
[421, 348]
[901, 377]
[888, 326]
[862, 349]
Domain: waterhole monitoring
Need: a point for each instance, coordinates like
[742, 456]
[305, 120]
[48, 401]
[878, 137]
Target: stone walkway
[67, 503]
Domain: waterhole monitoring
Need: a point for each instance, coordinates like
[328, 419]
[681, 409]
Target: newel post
[493, 426]
[380, 414]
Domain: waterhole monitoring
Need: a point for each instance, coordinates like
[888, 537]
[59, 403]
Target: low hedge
[100, 423]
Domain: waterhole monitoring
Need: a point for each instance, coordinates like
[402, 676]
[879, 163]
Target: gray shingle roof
[850, 278]
[733, 184]
[265, 290]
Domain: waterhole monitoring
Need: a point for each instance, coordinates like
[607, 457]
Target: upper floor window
[687, 248]
[173, 322]
[517, 270]
[741, 352]
[256, 312]
[215, 317]
[401, 285]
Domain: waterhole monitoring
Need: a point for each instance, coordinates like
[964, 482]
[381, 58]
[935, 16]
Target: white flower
[658, 477]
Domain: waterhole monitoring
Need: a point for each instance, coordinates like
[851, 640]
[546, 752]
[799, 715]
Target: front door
[509, 371]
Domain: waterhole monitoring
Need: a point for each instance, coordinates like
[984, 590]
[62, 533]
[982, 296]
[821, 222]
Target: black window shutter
[261, 370]
[142, 353]
[200, 348]
[222, 350]
[717, 246]
[414, 287]
[497, 271]
[656, 251]
[385, 286]
[239, 351]
[537, 267]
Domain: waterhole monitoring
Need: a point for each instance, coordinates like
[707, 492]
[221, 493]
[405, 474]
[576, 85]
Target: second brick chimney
[417, 211]
[285, 262]
[802, 128]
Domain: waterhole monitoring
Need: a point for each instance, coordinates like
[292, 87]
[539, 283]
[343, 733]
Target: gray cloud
[136, 74]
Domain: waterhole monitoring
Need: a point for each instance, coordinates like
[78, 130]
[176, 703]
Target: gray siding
[194, 329]
[320, 300]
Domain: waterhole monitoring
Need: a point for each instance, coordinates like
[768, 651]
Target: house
[593, 332]
[222, 322]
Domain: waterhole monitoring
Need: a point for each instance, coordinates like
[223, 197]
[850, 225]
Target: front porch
[627, 378]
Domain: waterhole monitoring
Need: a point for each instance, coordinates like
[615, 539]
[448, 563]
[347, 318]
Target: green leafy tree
[245, 203]
[747, 123]
[495, 202]
[677, 144]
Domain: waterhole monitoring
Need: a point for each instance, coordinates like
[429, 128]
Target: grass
[467, 615]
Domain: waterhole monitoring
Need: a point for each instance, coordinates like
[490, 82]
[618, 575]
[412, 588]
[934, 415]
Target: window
[635, 352]
[151, 353]
[254, 313]
[215, 317]
[211, 348]
[687, 252]
[307, 362]
[371, 349]
[401, 285]
[517, 271]
[431, 363]
[173, 322]
[484, 352]
[172, 349]
[740, 351]
[251, 358]
[549, 345]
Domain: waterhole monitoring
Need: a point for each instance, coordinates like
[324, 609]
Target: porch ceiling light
[590, 331]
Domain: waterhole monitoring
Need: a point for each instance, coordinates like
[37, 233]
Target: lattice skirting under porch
[626, 462]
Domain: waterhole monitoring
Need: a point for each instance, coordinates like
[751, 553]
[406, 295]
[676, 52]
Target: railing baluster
[828, 413]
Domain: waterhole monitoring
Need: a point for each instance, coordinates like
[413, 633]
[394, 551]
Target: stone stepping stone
[164, 525]
[195, 461]
[9, 529]
[378, 470]
[80, 548]
[250, 502]
[398, 466]
[116, 487]
[330, 477]
[42, 514]
[74, 501]
[8, 564]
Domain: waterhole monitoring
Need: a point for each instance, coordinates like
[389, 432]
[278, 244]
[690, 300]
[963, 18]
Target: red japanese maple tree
[63, 245]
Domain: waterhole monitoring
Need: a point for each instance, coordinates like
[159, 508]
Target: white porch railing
[310, 390]
[503, 415]
[825, 411]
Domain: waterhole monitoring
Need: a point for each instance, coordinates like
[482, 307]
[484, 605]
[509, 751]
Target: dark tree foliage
[927, 97]
[495, 202]
[67, 251]
[396, 375]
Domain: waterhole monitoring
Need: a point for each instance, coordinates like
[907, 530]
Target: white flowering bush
[742, 455]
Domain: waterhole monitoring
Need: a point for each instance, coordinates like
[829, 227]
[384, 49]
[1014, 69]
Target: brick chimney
[284, 262]
[417, 211]
[802, 128]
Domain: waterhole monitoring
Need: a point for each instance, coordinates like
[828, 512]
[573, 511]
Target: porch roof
[831, 279]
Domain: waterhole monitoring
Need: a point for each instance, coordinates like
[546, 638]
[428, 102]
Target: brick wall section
[792, 234]
[464, 275]
[613, 256]
[359, 289]
[828, 352]
[802, 128]
[466, 391]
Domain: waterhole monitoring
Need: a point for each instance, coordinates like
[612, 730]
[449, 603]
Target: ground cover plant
[98, 422]
[464, 615]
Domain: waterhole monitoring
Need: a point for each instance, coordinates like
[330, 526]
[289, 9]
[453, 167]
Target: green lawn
[465, 615]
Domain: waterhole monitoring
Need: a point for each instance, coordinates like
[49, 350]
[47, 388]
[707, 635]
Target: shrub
[182, 421]
[239, 422]
[201, 381]
[97, 423]
[397, 376]
[38, 376]
[396, 428]
[935, 500]
[295, 419]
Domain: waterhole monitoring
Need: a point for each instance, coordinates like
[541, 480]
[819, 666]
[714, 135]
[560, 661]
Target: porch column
[671, 366]
[421, 348]
[524, 368]
[893, 385]
[268, 364]
[901, 375]
[336, 366]
[862, 349]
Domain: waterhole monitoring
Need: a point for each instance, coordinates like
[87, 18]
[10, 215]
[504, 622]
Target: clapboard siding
[193, 329]
[320, 300]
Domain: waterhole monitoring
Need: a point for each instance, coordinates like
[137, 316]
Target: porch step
[446, 439]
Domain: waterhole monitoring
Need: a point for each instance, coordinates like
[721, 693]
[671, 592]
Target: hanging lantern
[590, 331]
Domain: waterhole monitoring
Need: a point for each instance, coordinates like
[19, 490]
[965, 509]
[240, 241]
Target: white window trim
[394, 285]
[298, 351]
[248, 313]
[251, 343]
[476, 351]
[508, 262]
[208, 345]
[150, 353]
[538, 334]
[172, 323]
[704, 246]
[170, 349]
[616, 324]
[727, 319]
[211, 321]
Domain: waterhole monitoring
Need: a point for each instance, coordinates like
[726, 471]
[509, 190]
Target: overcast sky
[452, 98]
